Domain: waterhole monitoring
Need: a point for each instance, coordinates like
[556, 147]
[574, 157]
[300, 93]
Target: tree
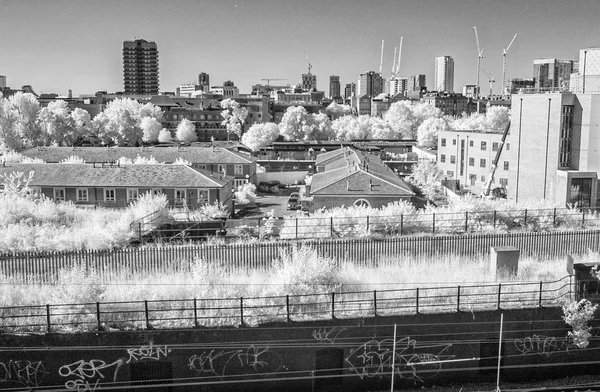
[186, 131]
[496, 118]
[151, 129]
[426, 176]
[400, 117]
[296, 123]
[351, 127]
[164, 136]
[321, 128]
[82, 121]
[246, 193]
[427, 133]
[260, 135]
[234, 116]
[18, 121]
[57, 125]
[381, 129]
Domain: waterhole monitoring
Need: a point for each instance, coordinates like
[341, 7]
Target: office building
[2, 82]
[189, 90]
[203, 79]
[140, 67]
[397, 86]
[518, 85]
[553, 74]
[417, 83]
[334, 87]
[370, 83]
[587, 78]
[444, 74]
[309, 82]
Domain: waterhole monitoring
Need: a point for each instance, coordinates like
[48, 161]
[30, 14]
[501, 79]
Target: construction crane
[479, 57]
[269, 80]
[499, 192]
[399, 57]
[381, 62]
[504, 89]
[394, 64]
[490, 79]
[309, 64]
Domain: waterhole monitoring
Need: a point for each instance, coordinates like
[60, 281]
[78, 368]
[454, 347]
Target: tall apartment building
[587, 78]
[203, 79]
[397, 85]
[444, 74]
[349, 90]
[370, 83]
[553, 74]
[2, 82]
[140, 67]
[309, 81]
[416, 82]
[334, 87]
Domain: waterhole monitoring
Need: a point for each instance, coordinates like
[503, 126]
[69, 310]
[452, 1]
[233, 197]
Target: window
[157, 191]
[132, 194]
[109, 195]
[566, 136]
[452, 159]
[443, 158]
[59, 194]
[471, 161]
[238, 182]
[470, 143]
[483, 146]
[482, 178]
[179, 195]
[581, 192]
[450, 173]
[362, 203]
[454, 142]
[503, 182]
[472, 179]
[238, 170]
[443, 142]
[482, 162]
[505, 165]
[495, 146]
[221, 169]
[507, 146]
[82, 194]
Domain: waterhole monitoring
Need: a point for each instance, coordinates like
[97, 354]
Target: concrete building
[309, 82]
[521, 85]
[227, 90]
[417, 83]
[556, 143]
[204, 81]
[140, 67]
[444, 74]
[553, 74]
[450, 104]
[188, 89]
[467, 156]
[587, 78]
[3, 82]
[370, 83]
[398, 86]
[334, 87]
[470, 91]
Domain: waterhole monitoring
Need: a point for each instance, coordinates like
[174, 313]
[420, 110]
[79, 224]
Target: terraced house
[242, 167]
[116, 186]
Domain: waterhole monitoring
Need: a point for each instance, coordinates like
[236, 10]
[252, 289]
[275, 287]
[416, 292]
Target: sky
[56, 45]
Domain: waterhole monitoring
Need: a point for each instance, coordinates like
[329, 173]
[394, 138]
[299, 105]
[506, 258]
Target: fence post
[554, 217]
[147, 313]
[242, 311]
[98, 316]
[417, 301]
[331, 227]
[333, 306]
[525, 218]
[375, 302]
[494, 219]
[582, 218]
[401, 223]
[458, 300]
[296, 228]
[540, 300]
[195, 312]
[367, 223]
[466, 221]
[140, 231]
[287, 308]
[47, 318]
[499, 294]
[433, 224]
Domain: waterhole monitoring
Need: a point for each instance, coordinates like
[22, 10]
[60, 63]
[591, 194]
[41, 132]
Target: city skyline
[77, 45]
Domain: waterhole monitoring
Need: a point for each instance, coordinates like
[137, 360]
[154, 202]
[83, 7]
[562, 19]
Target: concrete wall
[430, 350]
[288, 177]
[320, 201]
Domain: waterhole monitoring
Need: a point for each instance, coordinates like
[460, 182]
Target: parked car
[293, 203]
[269, 186]
[295, 194]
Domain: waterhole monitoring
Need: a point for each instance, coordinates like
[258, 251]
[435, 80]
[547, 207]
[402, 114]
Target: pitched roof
[135, 176]
[196, 155]
[163, 100]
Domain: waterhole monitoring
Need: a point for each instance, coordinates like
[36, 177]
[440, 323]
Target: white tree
[352, 128]
[72, 159]
[234, 116]
[296, 123]
[18, 121]
[260, 135]
[9, 138]
[381, 129]
[164, 136]
[57, 124]
[151, 129]
[245, 193]
[82, 121]
[427, 133]
[186, 131]
[400, 117]
[321, 128]
[496, 118]
[426, 176]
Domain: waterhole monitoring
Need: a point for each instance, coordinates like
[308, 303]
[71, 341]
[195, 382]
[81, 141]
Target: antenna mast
[308, 61]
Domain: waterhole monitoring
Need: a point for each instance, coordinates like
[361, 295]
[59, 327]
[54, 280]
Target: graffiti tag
[28, 373]
[255, 359]
[147, 352]
[543, 345]
[327, 335]
[86, 371]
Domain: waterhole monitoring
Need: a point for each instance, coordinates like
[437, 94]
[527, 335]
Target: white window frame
[222, 168]
[82, 194]
[238, 170]
[157, 191]
[56, 191]
[238, 182]
[203, 195]
[109, 199]
[131, 192]
[178, 197]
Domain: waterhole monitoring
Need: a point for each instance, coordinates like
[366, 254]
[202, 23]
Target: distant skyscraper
[397, 85]
[349, 90]
[309, 81]
[553, 74]
[334, 87]
[444, 74]
[370, 83]
[416, 82]
[140, 67]
[2, 81]
[204, 81]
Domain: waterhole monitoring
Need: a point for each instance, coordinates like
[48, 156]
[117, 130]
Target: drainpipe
[519, 151]
[584, 62]
[547, 142]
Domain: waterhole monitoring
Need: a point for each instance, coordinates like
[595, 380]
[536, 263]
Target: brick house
[242, 167]
[116, 186]
[346, 177]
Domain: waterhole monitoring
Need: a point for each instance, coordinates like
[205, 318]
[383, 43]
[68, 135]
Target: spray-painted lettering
[327, 335]
[543, 345]
[27, 373]
[253, 360]
[147, 352]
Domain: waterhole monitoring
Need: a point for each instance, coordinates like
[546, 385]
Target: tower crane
[394, 64]
[479, 56]
[309, 64]
[381, 61]
[399, 57]
[490, 79]
[269, 80]
[504, 89]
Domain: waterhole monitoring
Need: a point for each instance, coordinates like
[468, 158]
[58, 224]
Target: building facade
[417, 83]
[140, 67]
[553, 74]
[309, 82]
[450, 104]
[334, 87]
[444, 74]
[370, 83]
[587, 78]
[398, 85]
[3, 82]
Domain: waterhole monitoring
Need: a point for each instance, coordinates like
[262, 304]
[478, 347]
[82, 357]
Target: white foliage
[186, 131]
[260, 135]
[234, 116]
